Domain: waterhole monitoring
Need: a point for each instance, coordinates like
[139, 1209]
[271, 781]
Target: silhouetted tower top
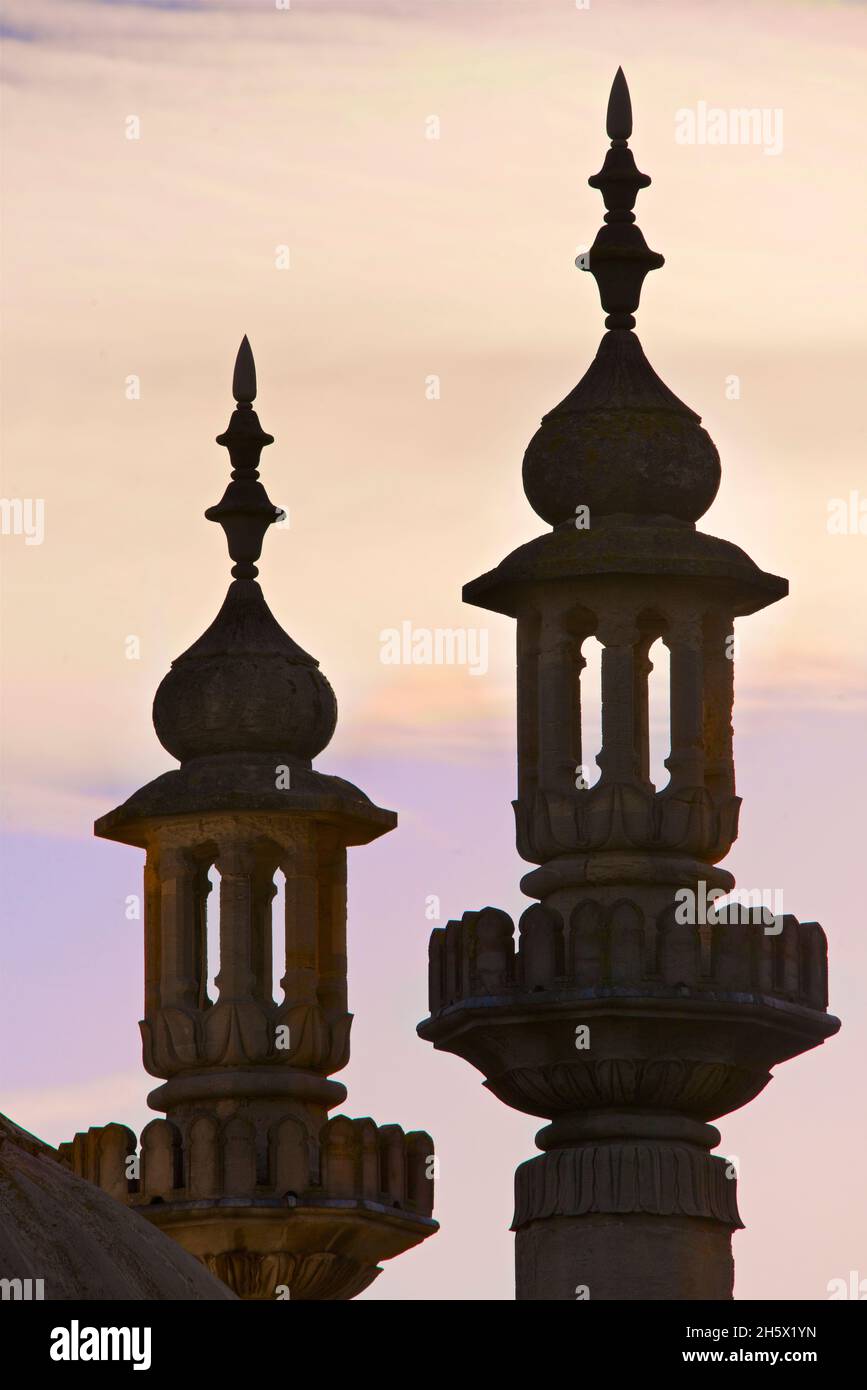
[621, 443]
[620, 257]
[245, 511]
[245, 685]
[245, 697]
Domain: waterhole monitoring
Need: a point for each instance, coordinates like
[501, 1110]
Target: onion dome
[245, 686]
[621, 443]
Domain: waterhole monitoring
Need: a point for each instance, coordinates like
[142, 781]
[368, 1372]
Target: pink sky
[411, 257]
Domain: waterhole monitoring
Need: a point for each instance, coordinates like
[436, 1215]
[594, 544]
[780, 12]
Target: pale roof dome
[83, 1243]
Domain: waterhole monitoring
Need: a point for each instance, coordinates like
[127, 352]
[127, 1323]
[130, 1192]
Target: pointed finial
[619, 258]
[244, 511]
[244, 376]
[618, 122]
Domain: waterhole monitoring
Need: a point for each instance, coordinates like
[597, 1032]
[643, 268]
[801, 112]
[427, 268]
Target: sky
[414, 309]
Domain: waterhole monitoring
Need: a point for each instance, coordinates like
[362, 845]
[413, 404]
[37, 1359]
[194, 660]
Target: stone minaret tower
[627, 1029]
[247, 1171]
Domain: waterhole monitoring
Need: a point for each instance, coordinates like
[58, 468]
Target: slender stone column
[264, 892]
[719, 695]
[237, 865]
[201, 892]
[299, 865]
[152, 942]
[332, 928]
[528, 705]
[178, 984]
[558, 671]
[686, 759]
[642, 667]
[618, 756]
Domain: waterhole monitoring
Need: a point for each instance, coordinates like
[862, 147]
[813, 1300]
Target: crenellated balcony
[722, 992]
[279, 1204]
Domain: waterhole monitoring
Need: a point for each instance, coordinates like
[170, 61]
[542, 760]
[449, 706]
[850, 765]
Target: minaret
[624, 1026]
[247, 1171]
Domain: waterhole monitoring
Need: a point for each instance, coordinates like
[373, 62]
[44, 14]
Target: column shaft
[719, 694]
[633, 1257]
[528, 706]
[559, 710]
[237, 864]
[301, 978]
[686, 759]
[618, 757]
[152, 945]
[178, 984]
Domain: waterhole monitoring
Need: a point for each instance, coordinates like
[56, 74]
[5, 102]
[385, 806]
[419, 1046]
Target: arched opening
[267, 932]
[591, 711]
[212, 933]
[278, 937]
[658, 714]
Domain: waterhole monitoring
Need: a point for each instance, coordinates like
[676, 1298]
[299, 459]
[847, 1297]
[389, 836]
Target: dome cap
[245, 686]
[621, 443]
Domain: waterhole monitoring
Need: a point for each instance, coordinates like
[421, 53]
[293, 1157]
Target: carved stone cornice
[701, 1055]
[243, 1033]
[625, 815]
[693, 1086]
[657, 1179]
[320, 1276]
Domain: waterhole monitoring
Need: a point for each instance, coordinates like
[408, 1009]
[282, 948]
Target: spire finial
[619, 258]
[244, 511]
[618, 121]
[244, 376]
